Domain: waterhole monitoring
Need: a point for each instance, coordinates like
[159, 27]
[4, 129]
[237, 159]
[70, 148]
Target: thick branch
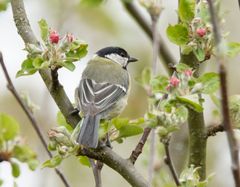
[224, 94]
[30, 116]
[27, 35]
[122, 166]
[138, 149]
[163, 51]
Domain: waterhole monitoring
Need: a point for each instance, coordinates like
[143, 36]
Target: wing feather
[97, 97]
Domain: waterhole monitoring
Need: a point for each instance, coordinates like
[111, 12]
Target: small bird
[103, 91]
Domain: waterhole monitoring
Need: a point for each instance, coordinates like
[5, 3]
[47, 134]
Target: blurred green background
[108, 24]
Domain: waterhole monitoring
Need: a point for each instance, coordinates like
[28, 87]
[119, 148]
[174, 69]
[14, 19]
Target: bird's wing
[97, 97]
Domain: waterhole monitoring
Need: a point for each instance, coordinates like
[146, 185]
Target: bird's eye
[122, 55]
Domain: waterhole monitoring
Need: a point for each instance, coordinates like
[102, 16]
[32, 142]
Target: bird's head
[117, 55]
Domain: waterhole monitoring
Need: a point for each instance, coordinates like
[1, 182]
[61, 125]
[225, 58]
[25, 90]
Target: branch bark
[138, 149]
[214, 129]
[123, 166]
[224, 94]
[169, 162]
[30, 116]
[58, 94]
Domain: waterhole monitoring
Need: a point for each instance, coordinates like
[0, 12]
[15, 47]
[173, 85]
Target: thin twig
[214, 129]
[30, 116]
[224, 94]
[169, 162]
[96, 172]
[151, 158]
[138, 149]
[164, 53]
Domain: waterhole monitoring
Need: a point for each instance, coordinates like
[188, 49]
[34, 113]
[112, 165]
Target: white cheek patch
[118, 59]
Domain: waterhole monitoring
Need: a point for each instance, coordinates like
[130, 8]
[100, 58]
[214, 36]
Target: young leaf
[233, 49]
[62, 122]
[159, 84]
[178, 34]
[53, 162]
[186, 10]
[190, 102]
[15, 169]
[77, 51]
[199, 53]
[180, 67]
[129, 130]
[69, 65]
[84, 161]
[24, 154]
[27, 68]
[120, 122]
[44, 29]
[210, 82]
[9, 127]
[91, 3]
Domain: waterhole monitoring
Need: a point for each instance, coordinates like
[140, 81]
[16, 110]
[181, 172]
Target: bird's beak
[131, 59]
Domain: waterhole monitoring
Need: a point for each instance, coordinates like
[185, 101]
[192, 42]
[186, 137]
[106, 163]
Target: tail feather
[88, 135]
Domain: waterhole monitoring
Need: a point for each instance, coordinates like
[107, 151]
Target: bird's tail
[88, 135]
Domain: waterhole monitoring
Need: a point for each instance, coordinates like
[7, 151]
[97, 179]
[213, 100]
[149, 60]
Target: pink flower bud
[201, 32]
[70, 37]
[188, 73]
[54, 37]
[174, 81]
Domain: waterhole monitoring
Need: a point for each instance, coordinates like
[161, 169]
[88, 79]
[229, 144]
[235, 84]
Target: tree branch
[30, 116]
[164, 53]
[224, 94]
[124, 167]
[214, 129]
[138, 149]
[169, 162]
[59, 95]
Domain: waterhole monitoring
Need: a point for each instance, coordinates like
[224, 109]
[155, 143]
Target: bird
[102, 92]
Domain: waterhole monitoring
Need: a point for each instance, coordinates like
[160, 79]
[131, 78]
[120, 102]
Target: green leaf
[15, 169]
[37, 62]
[25, 154]
[159, 84]
[84, 161]
[69, 65]
[178, 34]
[91, 3]
[182, 113]
[33, 164]
[190, 102]
[119, 122]
[129, 130]
[186, 49]
[181, 67]
[210, 82]
[77, 51]
[44, 29]
[186, 10]
[4, 4]
[53, 162]
[233, 49]
[199, 53]
[1, 182]
[62, 121]
[27, 68]
[9, 127]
